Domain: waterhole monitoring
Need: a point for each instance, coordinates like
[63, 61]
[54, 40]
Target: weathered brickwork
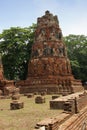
[74, 116]
[16, 103]
[76, 122]
[40, 99]
[49, 67]
[6, 87]
[65, 121]
[52, 123]
[72, 103]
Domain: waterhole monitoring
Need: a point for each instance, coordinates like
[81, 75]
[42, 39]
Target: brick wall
[76, 122]
[72, 103]
[65, 121]
[53, 123]
[74, 116]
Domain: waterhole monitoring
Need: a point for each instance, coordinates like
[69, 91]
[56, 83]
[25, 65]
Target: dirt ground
[26, 118]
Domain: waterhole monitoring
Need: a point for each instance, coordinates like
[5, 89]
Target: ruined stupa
[49, 68]
[7, 87]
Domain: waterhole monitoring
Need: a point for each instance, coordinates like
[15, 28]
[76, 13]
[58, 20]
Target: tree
[77, 52]
[15, 46]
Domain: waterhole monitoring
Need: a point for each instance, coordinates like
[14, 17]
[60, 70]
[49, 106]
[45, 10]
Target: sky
[72, 14]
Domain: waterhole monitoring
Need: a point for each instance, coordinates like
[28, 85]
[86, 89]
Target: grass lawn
[26, 118]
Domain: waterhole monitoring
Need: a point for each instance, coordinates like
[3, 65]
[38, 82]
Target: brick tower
[49, 68]
[6, 86]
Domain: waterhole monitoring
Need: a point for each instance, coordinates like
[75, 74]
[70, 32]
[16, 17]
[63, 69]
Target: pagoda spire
[49, 67]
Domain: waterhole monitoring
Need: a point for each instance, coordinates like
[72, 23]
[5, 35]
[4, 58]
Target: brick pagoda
[6, 87]
[49, 68]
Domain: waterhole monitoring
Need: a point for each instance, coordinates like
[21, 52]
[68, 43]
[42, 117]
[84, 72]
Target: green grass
[26, 118]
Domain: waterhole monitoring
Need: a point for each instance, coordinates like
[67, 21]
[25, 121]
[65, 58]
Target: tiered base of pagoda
[50, 85]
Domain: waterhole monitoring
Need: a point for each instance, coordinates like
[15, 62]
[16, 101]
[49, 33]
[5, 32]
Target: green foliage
[77, 52]
[15, 46]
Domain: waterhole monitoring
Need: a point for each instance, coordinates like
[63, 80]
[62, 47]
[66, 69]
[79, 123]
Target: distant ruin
[49, 69]
[7, 87]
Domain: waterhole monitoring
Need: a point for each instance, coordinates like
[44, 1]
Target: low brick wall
[53, 123]
[65, 121]
[72, 103]
[81, 101]
[74, 116]
[76, 122]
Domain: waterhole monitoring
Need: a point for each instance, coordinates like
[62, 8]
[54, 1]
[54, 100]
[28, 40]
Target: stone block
[16, 97]
[40, 99]
[55, 96]
[43, 93]
[30, 95]
[35, 93]
[16, 105]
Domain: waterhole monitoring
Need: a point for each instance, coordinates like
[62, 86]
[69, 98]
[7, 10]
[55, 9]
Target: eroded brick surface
[73, 103]
[40, 99]
[74, 116]
[49, 67]
[7, 87]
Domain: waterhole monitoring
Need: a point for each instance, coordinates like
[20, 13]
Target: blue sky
[72, 14]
